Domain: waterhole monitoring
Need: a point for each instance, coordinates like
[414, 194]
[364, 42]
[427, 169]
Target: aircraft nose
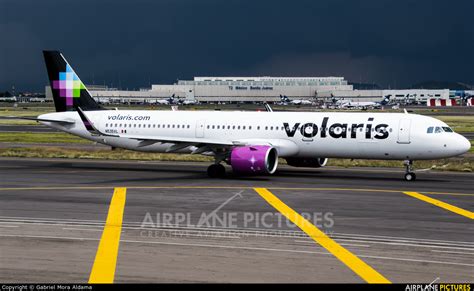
[463, 144]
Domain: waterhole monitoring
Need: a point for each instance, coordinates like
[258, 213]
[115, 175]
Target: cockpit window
[447, 129]
[438, 129]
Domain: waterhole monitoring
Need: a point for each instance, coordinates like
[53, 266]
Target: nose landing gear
[409, 174]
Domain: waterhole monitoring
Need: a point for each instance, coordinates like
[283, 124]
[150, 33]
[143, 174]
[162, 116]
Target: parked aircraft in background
[188, 102]
[363, 104]
[285, 100]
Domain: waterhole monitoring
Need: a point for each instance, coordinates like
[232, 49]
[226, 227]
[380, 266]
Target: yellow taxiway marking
[361, 268]
[103, 270]
[436, 202]
[225, 187]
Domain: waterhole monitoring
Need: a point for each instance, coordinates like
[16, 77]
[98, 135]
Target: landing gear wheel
[410, 176]
[216, 171]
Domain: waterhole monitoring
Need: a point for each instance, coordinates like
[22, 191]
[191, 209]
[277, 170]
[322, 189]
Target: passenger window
[258, 127]
[213, 126]
[168, 126]
[158, 126]
[233, 127]
[250, 127]
[188, 125]
[430, 130]
[149, 125]
[438, 129]
[238, 127]
[243, 127]
[218, 127]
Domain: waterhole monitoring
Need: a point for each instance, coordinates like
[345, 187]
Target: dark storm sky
[389, 42]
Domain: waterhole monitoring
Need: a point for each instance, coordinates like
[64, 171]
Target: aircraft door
[404, 131]
[200, 128]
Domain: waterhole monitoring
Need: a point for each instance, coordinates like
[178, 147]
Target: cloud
[382, 41]
[383, 70]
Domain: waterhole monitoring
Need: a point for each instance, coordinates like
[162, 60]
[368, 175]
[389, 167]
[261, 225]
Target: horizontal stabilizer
[40, 119]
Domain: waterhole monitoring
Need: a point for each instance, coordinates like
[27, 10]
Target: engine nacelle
[252, 160]
[307, 162]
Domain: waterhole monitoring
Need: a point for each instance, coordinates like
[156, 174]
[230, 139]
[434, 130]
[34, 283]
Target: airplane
[167, 101]
[364, 104]
[410, 99]
[8, 99]
[285, 100]
[188, 102]
[249, 141]
[465, 97]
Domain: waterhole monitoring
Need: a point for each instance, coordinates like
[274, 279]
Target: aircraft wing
[285, 147]
[166, 139]
[41, 119]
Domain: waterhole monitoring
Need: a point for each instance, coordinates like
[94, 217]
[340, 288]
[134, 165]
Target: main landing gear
[409, 175]
[216, 171]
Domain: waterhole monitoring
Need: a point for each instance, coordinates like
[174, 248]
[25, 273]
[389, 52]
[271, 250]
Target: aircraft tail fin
[68, 90]
[386, 100]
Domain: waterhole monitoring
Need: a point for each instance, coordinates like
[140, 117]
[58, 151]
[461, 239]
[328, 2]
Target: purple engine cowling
[254, 160]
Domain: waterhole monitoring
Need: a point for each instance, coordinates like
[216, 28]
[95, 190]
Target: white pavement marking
[243, 248]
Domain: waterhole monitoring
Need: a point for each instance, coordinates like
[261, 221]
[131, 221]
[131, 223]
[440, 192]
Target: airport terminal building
[228, 89]
[254, 89]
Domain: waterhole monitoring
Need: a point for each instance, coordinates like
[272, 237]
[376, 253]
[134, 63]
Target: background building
[258, 89]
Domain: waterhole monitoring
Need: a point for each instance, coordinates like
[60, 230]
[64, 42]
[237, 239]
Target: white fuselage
[394, 136]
